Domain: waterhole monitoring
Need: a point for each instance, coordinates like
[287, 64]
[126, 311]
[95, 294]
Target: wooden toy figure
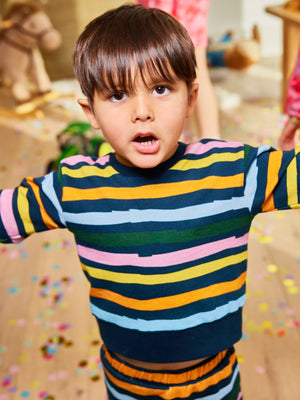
[25, 27]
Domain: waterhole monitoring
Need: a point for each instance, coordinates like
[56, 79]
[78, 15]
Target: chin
[150, 162]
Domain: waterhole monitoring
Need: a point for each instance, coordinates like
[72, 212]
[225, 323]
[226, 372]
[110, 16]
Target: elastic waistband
[170, 376]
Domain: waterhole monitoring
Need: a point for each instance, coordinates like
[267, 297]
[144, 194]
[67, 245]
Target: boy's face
[143, 126]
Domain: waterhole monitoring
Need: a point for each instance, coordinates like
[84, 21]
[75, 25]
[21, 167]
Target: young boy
[161, 227]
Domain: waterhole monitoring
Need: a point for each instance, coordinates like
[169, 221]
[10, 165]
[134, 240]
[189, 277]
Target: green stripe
[171, 236]
[236, 389]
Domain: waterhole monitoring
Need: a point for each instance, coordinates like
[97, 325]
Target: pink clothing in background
[191, 13]
[292, 104]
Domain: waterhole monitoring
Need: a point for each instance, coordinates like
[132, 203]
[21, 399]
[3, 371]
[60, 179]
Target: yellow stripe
[153, 191]
[292, 185]
[89, 170]
[185, 165]
[272, 180]
[179, 276]
[179, 300]
[23, 207]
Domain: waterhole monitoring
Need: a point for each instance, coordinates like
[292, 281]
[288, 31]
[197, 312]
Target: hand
[287, 138]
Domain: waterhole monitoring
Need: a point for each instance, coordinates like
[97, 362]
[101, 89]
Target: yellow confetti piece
[93, 365]
[265, 239]
[34, 384]
[12, 322]
[240, 359]
[93, 350]
[260, 293]
[43, 337]
[86, 338]
[23, 357]
[279, 215]
[267, 324]
[293, 290]
[268, 278]
[272, 268]
[263, 307]
[288, 282]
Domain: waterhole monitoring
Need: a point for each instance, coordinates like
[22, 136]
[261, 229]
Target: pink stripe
[239, 396]
[8, 217]
[201, 148]
[162, 260]
[73, 160]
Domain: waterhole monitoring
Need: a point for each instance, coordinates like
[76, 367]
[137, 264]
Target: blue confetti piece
[13, 290]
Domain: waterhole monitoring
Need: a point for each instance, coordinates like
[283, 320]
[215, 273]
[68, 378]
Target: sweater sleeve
[272, 179]
[292, 104]
[34, 206]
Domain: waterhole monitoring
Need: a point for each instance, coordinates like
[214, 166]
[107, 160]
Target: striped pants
[216, 378]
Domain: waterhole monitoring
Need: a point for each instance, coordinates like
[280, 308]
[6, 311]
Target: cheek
[112, 130]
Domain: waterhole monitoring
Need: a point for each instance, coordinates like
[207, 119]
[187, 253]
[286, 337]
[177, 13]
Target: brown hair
[152, 40]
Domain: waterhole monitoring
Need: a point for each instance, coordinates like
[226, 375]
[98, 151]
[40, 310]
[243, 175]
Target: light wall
[241, 15]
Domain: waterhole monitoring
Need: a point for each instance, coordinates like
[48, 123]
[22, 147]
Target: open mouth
[147, 140]
[146, 143]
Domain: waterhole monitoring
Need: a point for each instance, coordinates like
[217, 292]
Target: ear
[192, 98]
[85, 105]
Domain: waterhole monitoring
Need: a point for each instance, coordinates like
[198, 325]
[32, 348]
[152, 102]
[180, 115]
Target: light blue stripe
[48, 189]
[251, 184]
[170, 324]
[251, 177]
[157, 215]
[216, 396]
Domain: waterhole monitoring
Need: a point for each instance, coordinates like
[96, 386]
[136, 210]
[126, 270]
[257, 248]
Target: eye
[161, 90]
[118, 96]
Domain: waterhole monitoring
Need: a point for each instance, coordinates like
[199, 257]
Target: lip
[146, 143]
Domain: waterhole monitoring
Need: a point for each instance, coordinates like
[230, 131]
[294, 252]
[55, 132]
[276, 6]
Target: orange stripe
[173, 378]
[272, 180]
[153, 191]
[179, 300]
[176, 391]
[48, 221]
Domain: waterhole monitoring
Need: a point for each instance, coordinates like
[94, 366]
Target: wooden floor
[49, 345]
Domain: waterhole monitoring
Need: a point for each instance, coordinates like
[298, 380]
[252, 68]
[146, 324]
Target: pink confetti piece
[14, 369]
[62, 375]
[260, 370]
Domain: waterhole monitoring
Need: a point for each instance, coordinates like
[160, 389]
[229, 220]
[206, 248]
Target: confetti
[260, 370]
[6, 381]
[272, 268]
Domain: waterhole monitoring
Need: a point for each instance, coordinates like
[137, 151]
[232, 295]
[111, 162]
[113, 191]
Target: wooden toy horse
[24, 28]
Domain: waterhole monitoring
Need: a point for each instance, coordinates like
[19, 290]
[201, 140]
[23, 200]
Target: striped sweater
[164, 250]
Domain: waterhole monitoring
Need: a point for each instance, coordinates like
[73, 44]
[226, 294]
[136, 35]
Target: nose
[142, 108]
